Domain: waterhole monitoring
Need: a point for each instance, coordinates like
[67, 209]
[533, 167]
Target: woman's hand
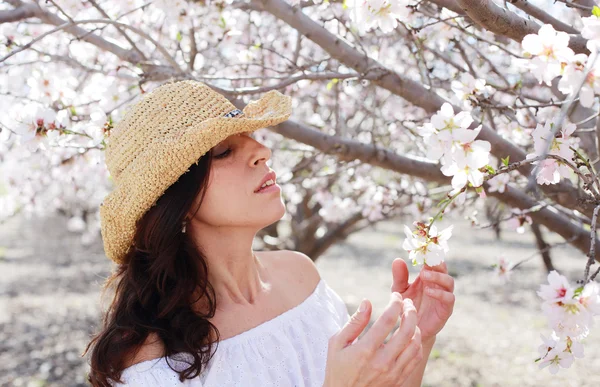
[368, 361]
[432, 293]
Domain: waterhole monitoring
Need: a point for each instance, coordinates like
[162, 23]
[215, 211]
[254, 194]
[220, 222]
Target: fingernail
[397, 295]
[363, 306]
[426, 275]
[409, 301]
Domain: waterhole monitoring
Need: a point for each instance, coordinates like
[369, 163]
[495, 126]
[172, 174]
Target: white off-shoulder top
[288, 350]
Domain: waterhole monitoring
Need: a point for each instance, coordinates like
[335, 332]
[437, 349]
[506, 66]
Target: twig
[133, 45]
[592, 253]
[160, 48]
[574, 5]
[586, 120]
[595, 274]
[541, 251]
[291, 80]
[526, 211]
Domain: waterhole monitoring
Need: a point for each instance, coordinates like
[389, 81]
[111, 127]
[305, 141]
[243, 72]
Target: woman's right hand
[369, 361]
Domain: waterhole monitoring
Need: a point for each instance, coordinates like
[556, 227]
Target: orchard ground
[50, 304]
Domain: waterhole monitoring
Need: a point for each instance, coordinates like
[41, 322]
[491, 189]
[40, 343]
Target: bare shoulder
[294, 266]
[150, 350]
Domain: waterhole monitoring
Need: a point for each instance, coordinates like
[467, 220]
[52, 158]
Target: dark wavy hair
[155, 288]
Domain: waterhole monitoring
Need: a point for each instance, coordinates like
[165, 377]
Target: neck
[235, 272]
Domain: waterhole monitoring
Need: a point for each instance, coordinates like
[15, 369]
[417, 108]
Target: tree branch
[564, 194]
[126, 55]
[69, 26]
[338, 233]
[131, 42]
[450, 4]
[578, 236]
[504, 22]
[347, 149]
[22, 12]
[319, 76]
[543, 16]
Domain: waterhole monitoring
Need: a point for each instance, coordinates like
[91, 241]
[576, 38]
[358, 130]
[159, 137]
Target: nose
[260, 153]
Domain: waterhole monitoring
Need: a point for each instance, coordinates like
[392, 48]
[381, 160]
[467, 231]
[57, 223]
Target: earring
[184, 226]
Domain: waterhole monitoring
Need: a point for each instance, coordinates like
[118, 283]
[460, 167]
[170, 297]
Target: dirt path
[49, 297]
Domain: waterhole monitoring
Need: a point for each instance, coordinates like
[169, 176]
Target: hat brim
[147, 177]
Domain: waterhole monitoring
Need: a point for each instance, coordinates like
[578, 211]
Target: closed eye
[223, 154]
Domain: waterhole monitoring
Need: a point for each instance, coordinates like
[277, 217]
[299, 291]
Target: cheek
[226, 199]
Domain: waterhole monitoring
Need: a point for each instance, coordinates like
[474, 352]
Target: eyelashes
[228, 151]
[223, 154]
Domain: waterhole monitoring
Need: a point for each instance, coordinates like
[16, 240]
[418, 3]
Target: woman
[193, 304]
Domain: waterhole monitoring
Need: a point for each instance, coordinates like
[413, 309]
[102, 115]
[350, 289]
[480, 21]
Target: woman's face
[233, 197]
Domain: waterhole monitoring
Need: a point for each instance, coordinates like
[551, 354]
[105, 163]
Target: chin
[273, 213]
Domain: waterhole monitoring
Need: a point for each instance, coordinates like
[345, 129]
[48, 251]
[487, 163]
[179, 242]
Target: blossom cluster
[551, 170]
[570, 312]
[40, 127]
[471, 90]
[551, 57]
[425, 244]
[503, 269]
[382, 14]
[449, 139]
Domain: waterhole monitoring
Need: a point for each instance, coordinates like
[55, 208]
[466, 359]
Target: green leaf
[73, 113]
[331, 83]
[222, 22]
[179, 36]
[505, 161]
[577, 292]
[596, 11]
[490, 169]
[344, 5]
[519, 84]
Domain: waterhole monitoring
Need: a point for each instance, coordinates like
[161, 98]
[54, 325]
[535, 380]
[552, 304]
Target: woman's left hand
[432, 293]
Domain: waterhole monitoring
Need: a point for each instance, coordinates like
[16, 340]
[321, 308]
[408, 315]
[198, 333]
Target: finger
[442, 279]
[403, 374]
[403, 371]
[400, 275]
[442, 295]
[353, 328]
[380, 329]
[410, 352]
[403, 335]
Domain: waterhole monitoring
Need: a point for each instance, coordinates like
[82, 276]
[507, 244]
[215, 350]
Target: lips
[269, 176]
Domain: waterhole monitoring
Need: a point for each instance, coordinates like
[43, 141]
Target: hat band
[233, 113]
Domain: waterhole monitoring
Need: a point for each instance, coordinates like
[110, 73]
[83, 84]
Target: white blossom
[426, 245]
[499, 182]
[551, 170]
[549, 49]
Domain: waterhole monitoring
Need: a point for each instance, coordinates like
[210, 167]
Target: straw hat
[158, 140]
